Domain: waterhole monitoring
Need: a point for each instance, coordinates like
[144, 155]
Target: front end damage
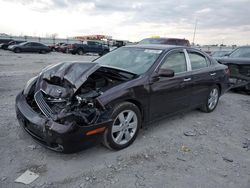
[239, 76]
[239, 72]
[60, 108]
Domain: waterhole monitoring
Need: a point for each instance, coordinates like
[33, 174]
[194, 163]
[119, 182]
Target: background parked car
[168, 41]
[89, 47]
[238, 62]
[14, 42]
[5, 41]
[30, 47]
[221, 53]
[55, 47]
[64, 48]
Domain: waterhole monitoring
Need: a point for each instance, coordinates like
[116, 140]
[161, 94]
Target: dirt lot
[162, 155]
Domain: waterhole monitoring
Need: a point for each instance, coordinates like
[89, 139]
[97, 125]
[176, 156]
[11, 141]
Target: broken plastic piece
[185, 149]
[27, 177]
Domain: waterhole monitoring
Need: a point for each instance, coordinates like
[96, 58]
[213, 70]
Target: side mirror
[166, 73]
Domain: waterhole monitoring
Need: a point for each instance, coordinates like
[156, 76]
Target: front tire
[125, 127]
[212, 100]
[17, 50]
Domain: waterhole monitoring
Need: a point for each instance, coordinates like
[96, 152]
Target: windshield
[241, 52]
[135, 60]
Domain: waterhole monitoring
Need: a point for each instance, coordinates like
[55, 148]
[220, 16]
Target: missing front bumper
[55, 136]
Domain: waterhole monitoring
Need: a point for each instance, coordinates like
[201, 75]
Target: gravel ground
[192, 149]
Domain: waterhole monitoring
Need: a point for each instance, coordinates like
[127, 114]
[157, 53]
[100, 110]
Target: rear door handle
[213, 74]
[187, 79]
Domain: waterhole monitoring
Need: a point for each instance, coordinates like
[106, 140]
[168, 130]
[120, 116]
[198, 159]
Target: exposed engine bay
[57, 98]
[239, 71]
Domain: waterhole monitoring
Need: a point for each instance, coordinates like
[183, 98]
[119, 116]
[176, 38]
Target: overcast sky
[220, 21]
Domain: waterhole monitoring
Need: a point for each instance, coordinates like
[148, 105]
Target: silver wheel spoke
[210, 100]
[119, 137]
[130, 116]
[121, 118]
[132, 125]
[127, 135]
[116, 128]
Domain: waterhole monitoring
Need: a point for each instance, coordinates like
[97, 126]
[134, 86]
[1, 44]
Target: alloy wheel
[80, 52]
[213, 98]
[124, 127]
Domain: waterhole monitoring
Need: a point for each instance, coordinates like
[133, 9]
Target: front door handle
[213, 74]
[187, 79]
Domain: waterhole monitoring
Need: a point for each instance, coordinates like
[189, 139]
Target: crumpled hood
[64, 79]
[237, 61]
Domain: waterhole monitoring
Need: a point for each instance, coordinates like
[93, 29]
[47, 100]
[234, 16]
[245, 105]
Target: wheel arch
[80, 48]
[139, 106]
[220, 88]
[137, 103]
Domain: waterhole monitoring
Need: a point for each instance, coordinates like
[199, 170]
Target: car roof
[164, 47]
[156, 46]
[243, 47]
[160, 38]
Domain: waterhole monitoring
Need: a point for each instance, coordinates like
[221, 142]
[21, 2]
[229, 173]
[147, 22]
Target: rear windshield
[153, 41]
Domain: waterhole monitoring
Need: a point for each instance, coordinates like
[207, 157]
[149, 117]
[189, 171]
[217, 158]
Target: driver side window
[175, 61]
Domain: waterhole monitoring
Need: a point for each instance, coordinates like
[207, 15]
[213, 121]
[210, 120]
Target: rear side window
[171, 41]
[93, 43]
[198, 61]
[175, 61]
[34, 44]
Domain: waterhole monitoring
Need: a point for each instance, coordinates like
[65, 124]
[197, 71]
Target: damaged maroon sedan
[70, 106]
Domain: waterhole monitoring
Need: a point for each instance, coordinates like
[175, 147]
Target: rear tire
[103, 53]
[43, 52]
[125, 127]
[80, 52]
[17, 50]
[212, 100]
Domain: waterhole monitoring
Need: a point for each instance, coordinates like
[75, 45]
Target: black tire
[17, 50]
[206, 107]
[108, 136]
[103, 53]
[43, 52]
[80, 51]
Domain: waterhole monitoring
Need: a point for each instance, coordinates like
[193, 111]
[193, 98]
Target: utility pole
[195, 26]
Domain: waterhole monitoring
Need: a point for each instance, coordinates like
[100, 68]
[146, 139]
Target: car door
[98, 47]
[33, 47]
[169, 95]
[38, 47]
[26, 47]
[92, 47]
[203, 75]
